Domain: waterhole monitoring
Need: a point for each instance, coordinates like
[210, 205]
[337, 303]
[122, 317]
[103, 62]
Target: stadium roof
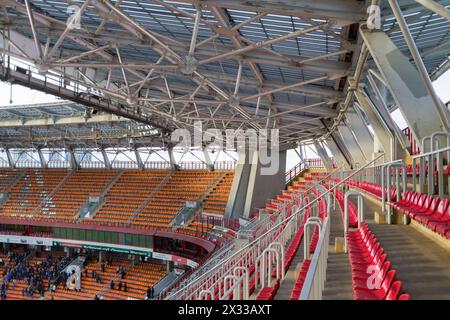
[231, 64]
[70, 125]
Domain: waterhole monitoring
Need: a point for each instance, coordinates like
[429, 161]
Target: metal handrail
[316, 275]
[293, 216]
[426, 154]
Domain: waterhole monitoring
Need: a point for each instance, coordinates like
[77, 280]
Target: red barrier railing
[414, 147]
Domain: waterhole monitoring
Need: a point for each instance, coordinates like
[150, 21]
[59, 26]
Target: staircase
[15, 180]
[46, 204]
[287, 285]
[421, 264]
[111, 184]
[96, 208]
[106, 288]
[338, 285]
[150, 197]
[185, 215]
[212, 187]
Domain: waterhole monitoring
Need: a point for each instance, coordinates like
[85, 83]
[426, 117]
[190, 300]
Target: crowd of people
[39, 276]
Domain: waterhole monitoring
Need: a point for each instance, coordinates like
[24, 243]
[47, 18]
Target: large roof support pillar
[173, 162]
[323, 156]
[42, 158]
[362, 133]
[138, 158]
[73, 160]
[106, 159]
[337, 151]
[11, 162]
[383, 134]
[405, 84]
[253, 184]
[353, 146]
[208, 161]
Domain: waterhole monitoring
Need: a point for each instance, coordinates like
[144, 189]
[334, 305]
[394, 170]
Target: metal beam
[338, 153]
[33, 28]
[48, 121]
[442, 112]
[436, 8]
[348, 138]
[362, 133]
[323, 156]
[405, 85]
[138, 158]
[345, 11]
[265, 43]
[11, 162]
[106, 159]
[381, 107]
[42, 158]
[380, 128]
[73, 160]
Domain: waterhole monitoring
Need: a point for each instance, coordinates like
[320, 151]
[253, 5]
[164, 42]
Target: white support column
[338, 152]
[73, 159]
[138, 159]
[406, 86]
[106, 159]
[362, 134]
[323, 155]
[354, 148]
[436, 8]
[173, 163]
[382, 131]
[42, 158]
[208, 160]
[11, 162]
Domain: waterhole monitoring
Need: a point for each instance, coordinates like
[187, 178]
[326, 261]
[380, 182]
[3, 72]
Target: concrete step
[422, 265]
[338, 284]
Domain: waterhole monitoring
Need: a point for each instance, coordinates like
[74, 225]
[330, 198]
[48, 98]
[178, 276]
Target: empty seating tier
[146, 199]
[32, 192]
[217, 199]
[128, 194]
[372, 276]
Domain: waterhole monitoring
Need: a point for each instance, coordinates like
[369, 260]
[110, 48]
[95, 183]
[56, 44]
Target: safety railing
[219, 221]
[231, 273]
[193, 274]
[261, 226]
[360, 198]
[389, 171]
[295, 171]
[414, 147]
[314, 283]
[225, 165]
[389, 176]
[54, 164]
[4, 164]
[27, 164]
[92, 165]
[434, 161]
[156, 165]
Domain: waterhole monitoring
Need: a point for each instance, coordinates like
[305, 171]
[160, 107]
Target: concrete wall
[251, 189]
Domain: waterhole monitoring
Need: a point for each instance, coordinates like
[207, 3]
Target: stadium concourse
[127, 187]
